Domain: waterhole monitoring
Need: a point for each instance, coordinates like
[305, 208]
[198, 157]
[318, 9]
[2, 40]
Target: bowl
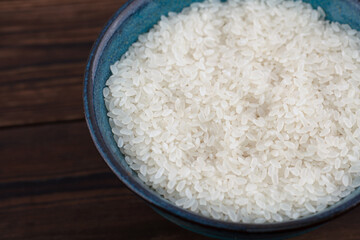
[131, 20]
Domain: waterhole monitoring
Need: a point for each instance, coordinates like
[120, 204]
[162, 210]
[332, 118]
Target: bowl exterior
[229, 235]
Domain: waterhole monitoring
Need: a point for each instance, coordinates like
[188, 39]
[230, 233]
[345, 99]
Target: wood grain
[58, 187]
[48, 151]
[53, 183]
[44, 45]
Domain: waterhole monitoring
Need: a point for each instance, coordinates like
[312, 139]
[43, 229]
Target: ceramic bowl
[131, 20]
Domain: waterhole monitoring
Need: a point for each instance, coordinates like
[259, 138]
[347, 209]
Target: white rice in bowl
[244, 111]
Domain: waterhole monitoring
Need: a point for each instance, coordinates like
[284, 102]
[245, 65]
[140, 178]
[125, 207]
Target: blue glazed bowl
[131, 20]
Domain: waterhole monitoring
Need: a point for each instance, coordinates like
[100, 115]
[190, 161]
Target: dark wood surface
[53, 182]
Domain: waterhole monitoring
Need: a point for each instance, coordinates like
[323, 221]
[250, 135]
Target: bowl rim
[125, 11]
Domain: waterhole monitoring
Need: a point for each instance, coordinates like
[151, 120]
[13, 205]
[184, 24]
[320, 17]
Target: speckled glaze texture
[131, 20]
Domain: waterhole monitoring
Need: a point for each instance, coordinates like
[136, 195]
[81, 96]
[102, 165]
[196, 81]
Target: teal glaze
[342, 11]
[137, 17]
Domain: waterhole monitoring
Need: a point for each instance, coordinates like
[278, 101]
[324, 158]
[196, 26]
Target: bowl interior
[137, 17]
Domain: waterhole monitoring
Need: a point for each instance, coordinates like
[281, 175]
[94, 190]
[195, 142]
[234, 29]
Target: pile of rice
[244, 111]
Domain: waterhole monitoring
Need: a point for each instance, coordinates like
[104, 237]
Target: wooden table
[53, 182]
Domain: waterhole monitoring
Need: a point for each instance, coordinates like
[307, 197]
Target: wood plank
[86, 214]
[55, 94]
[38, 153]
[44, 46]
[54, 185]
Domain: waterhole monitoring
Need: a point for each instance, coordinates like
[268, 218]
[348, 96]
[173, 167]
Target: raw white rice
[244, 111]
